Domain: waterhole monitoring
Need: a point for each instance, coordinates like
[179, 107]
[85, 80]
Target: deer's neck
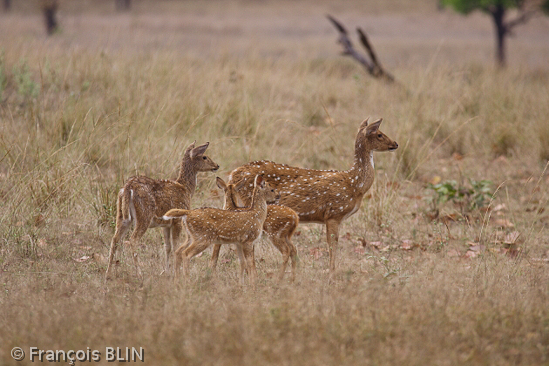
[187, 177]
[362, 171]
[259, 204]
[230, 203]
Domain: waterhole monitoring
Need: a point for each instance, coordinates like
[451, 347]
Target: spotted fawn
[279, 226]
[207, 226]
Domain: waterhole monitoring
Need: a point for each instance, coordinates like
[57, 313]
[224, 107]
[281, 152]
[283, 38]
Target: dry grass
[115, 95]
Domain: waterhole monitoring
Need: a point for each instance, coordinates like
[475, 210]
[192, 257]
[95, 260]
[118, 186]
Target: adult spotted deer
[143, 201]
[279, 226]
[322, 196]
[206, 226]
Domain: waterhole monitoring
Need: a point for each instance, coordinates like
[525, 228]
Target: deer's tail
[175, 213]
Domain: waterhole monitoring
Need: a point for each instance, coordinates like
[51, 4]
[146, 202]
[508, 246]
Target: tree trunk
[49, 8]
[498, 15]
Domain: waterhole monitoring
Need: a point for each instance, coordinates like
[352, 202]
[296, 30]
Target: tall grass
[83, 111]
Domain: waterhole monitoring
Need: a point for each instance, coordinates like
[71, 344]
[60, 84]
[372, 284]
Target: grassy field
[446, 263]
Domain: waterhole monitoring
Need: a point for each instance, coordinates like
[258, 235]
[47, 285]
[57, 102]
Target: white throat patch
[372, 159]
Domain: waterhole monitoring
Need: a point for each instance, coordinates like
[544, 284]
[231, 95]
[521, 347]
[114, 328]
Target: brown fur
[144, 200]
[279, 226]
[322, 196]
[206, 226]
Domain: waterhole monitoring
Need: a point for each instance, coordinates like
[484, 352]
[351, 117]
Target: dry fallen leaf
[500, 207]
[511, 238]
[316, 252]
[471, 254]
[82, 259]
[435, 180]
[476, 248]
[376, 244]
[314, 130]
[99, 258]
[408, 245]
[39, 220]
[504, 223]
[453, 253]
[513, 251]
[457, 156]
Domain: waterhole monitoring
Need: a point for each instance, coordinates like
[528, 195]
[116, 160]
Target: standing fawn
[322, 196]
[142, 201]
[279, 226]
[206, 226]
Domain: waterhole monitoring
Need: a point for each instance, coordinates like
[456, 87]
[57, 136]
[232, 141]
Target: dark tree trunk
[123, 5]
[7, 5]
[498, 14]
[50, 14]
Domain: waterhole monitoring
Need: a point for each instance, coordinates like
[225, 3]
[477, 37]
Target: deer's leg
[293, 255]
[248, 249]
[179, 257]
[122, 227]
[332, 233]
[167, 247]
[242, 260]
[186, 253]
[170, 243]
[138, 232]
[215, 256]
[280, 244]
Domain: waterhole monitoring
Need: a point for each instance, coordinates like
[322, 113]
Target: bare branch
[337, 24]
[520, 19]
[348, 48]
[378, 70]
[373, 67]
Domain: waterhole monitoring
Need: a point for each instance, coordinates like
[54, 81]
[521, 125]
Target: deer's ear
[221, 183]
[189, 148]
[259, 181]
[200, 150]
[238, 200]
[240, 185]
[374, 127]
[364, 124]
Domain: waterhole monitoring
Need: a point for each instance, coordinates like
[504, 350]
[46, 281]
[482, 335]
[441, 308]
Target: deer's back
[316, 195]
[280, 219]
[217, 225]
[161, 194]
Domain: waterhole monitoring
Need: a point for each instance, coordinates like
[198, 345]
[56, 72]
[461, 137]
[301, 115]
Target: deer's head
[232, 199]
[371, 136]
[199, 161]
[271, 194]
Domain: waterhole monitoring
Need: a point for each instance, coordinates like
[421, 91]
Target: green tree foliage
[498, 10]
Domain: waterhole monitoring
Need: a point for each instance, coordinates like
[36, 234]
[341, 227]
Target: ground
[425, 275]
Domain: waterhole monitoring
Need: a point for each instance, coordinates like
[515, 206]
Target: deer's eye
[204, 157]
[379, 135]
